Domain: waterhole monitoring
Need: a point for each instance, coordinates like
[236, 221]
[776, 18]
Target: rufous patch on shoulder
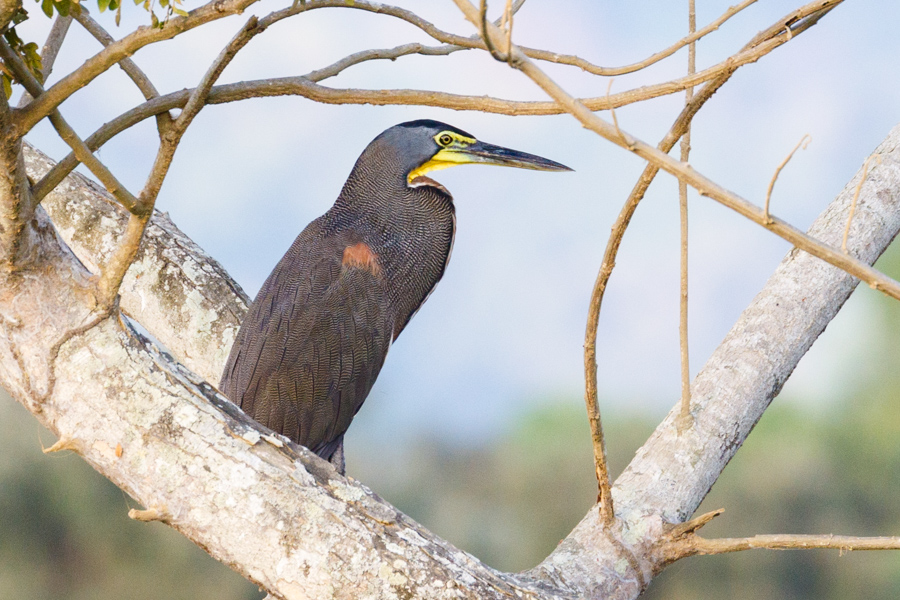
[360, 256]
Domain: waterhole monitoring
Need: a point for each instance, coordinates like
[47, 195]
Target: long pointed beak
[489, 154]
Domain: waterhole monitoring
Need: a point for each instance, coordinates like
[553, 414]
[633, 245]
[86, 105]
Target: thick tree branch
[665, 483]
[182, 294]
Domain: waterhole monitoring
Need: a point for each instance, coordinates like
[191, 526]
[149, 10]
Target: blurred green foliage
[64, 533]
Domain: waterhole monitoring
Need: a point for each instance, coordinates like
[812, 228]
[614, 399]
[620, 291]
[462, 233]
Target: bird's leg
[337, 459]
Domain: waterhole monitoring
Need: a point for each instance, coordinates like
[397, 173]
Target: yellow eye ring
[445, 139]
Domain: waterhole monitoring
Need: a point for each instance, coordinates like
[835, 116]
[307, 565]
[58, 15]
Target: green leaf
[33, 60]
[103, 5]
[118, 14]
[20, 16]
[62, 7]
[163, 3]
[13, 38]
[47, 7]
[7, 85]
[180, 12]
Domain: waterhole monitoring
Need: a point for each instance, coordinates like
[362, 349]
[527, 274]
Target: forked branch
[798, 21]
[140, 79]
[68, 135]
[114, 271]
[307, 86]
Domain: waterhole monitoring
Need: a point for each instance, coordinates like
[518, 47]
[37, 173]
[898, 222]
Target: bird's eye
[445, 139]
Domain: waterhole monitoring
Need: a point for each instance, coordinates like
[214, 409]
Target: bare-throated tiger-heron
[316, 336]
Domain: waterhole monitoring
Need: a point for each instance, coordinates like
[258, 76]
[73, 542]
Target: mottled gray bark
[284, 518]
[176, 290]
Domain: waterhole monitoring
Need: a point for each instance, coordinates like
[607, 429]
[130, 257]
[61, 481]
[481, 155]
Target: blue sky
[504, 330]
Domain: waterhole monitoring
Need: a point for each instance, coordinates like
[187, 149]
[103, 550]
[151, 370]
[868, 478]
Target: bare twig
[544, 55]
[148, 515]
[682, 541]
[121, 49]
[476, 42]
[692, 525]
[307, 88]
[609, 263]
[862, 179]
[382, 54]
[612, 113]
[804, 142]
[692, 545]
[661, 159]
[140, 79]
[596, 124]
[487, 38]
[508, 18]
[624, 218]
[799, 20]
[655, 58]
[685, 419]
[843, 543]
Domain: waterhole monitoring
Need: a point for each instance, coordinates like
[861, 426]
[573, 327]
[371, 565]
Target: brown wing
[313, 341]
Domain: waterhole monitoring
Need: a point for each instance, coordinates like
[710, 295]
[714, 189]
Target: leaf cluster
[28, 52]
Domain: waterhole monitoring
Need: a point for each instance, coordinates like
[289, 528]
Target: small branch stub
[148, 515]
[61, 444]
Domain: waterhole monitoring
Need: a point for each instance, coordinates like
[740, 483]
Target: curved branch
[114, 271]
[637, 66]
[306, 87]
[476, 42]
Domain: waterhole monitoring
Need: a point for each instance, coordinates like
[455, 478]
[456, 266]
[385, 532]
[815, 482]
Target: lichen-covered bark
[173, 288]
[286, 519]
